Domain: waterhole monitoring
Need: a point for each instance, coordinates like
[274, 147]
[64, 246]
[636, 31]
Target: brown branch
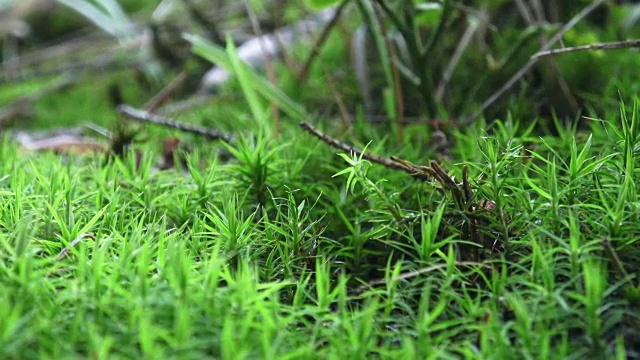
[145, 116]
[209, 26]
[421, 172]
[462, 196]
[336, 97]
[473, 223]
[399, 97]
[442, 175]
[165, 94]
[304, 73]
[414, 273]
[515, 78]
[552, 64]
[268, 64]
[76, 241]
[616, 45]
[612, 254]
[24, 106]
[465, 184]
[463, 44]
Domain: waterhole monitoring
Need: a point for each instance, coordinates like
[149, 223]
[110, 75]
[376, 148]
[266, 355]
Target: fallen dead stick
[145, 116]
[413, 273]
[163, 96]
[303, 74]
[24, 106]
[72, 244]
[390, 163]
[532, 61]
[616, 45]
[424, 173]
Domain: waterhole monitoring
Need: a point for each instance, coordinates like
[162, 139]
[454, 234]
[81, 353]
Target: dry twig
[612, 254]
[463, 44]
[76, 241]
[462, 193]
[617, 45]
[267, 60]
[421, 172]
[165, 94]
[302, 75]
[514, 79]
[535, 17]
[425, 173]
[145, 116]
[414, 273]
[25, 107]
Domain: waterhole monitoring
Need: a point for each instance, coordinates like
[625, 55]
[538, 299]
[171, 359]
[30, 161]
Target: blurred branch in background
[514, 79]
[253, 51]
[432, 60]
[618, 45]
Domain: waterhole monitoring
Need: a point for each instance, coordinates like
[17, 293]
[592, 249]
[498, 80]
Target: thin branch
[336, 96]
[165, 94]
[515, 78]
[425, 173]
[466, 186]
[209, 26]
[616, 45]
[304, 73]
[391, 14]
[414, 273]
[266, 58]
[145, 116]
[455, 59]
[538, 20]
[76, 241]
[399, 97]
[525, 12]
[23, 107]
[618, 265]
[421, 172]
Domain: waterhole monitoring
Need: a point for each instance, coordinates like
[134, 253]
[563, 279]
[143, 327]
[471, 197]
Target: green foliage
[248, 78]
[320, 4]
[274, 246]
[199, 270]
[105, 14]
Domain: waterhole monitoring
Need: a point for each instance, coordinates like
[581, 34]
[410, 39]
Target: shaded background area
[468, 52]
